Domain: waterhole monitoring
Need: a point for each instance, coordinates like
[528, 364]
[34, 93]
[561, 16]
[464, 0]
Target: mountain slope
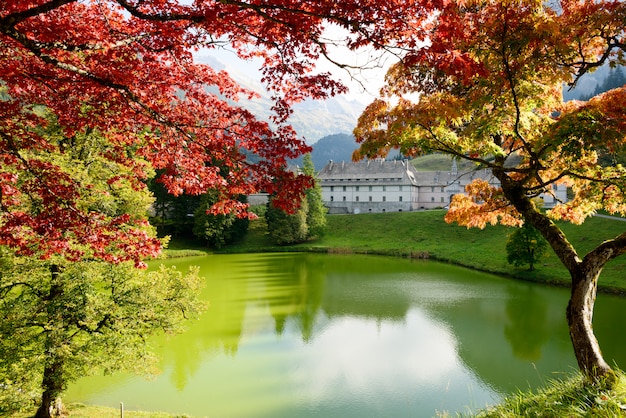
[312, 119]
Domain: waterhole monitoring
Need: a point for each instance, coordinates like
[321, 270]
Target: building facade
[391, 186]
[369, 186]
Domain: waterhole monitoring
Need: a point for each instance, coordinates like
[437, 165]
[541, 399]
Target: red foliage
[125, 68]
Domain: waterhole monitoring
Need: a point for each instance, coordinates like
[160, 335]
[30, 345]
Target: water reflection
[319, 335]
[526, 329]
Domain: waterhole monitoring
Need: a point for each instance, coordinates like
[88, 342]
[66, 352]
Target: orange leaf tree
[125, 68]
[490, 91]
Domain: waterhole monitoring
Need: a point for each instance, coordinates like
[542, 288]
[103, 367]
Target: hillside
[338, 147]
[425, 234]
[439, 162]
[596, 82]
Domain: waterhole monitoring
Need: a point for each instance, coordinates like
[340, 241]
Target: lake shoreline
[406, 235]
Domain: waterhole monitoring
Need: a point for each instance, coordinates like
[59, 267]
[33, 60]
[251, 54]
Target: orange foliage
[483, 204]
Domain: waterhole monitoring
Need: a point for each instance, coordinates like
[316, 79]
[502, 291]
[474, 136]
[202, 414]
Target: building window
[432, 199]
[344, 198]
[370, 198]
[357, 188]
[332, 188]
[344, 188]
[432, 189]
[400, 187]
[442, 190]
[357, 198]
[370, 188]
[384, 188]
[442, 199]
[332, 198]
[400, 199]
[384, 198]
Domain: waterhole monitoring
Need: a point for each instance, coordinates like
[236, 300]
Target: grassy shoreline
[424, 234]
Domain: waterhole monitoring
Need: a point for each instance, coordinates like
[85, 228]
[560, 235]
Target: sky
[364, 83]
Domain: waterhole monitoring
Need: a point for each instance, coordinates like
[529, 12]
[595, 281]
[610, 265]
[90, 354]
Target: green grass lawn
[426, 234]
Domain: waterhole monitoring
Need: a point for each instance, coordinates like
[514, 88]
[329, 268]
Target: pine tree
[316, 213]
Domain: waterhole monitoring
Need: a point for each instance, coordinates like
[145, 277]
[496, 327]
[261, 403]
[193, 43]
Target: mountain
[312, 119]
[337, 147]
[593, 83]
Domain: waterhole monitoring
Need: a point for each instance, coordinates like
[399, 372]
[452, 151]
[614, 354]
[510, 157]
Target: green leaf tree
[79, 303]
[287, 228]
[217, 230]
[307, 221]
[525, 245]
[316, 213]
[61, 321]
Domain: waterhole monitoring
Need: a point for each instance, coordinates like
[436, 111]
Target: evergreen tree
[615, 79]
[173, 215]
[316, 213]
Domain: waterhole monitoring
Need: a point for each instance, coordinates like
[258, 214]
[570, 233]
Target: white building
[384, 186]
[369, 186]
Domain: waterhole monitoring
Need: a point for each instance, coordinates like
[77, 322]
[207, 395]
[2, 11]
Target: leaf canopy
[126, 69]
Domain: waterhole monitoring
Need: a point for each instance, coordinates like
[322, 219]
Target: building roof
[381, 170]
[368, 170]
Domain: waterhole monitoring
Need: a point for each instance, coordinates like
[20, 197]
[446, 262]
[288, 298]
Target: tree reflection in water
[347, 335]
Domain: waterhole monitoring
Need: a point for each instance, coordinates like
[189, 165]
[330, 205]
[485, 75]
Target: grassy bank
[564, 398]
[425, 234]
[78, 410]
[560, 398]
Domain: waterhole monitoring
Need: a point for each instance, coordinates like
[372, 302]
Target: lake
[303, 335]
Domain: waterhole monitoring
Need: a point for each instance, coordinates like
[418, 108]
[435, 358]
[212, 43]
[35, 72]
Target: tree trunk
[584, 274]
[579, 319]
[53, 380]
[51, 405]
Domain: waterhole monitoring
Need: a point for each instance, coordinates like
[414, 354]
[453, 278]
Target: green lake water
[299, 335]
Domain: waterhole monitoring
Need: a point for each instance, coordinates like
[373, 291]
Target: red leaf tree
[95, 95]
[126, 69]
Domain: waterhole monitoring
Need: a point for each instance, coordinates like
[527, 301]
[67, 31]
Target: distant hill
[338, 147]
[439, 162]
[599, 81]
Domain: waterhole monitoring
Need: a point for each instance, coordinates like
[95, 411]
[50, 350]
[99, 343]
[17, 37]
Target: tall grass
[571, 397]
